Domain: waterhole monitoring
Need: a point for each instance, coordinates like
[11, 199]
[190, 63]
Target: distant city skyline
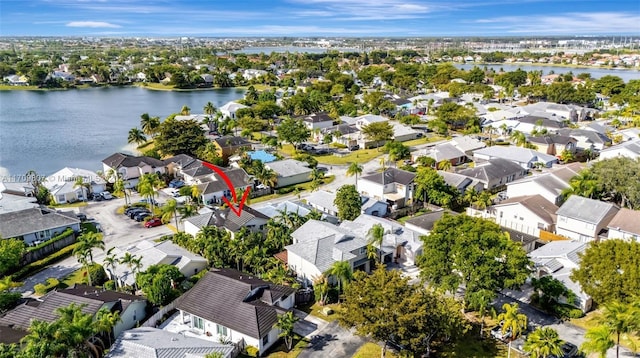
[322, 18]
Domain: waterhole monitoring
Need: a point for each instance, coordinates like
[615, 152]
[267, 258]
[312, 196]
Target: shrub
[8, 300]
[110, 285]
[98, 275]
[58, 237]
[337, 145]
[37, 266]
[41, 289]
[565, 311]
[252, 351]
[286, 189]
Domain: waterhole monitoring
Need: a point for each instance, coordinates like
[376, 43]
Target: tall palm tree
[149, 124]
[518, 138]
[106, 321]
[267, 177]
[444, 165]
[110, 263]
[512, 321]
[185, 111]
[341, 270]
[133, 263]
[84, 187]
[209, 109]
[598, 340]
[354, 169]
[187, 211]
[147, 187]
[136, 136]
[169, 211]
[285, 324]
[620, 318]
[375, 237]
[84, 249]
[543, 343]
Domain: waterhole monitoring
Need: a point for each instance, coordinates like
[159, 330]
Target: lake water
[48, 130]
[626, 75]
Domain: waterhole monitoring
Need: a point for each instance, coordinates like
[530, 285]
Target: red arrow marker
[238, 210]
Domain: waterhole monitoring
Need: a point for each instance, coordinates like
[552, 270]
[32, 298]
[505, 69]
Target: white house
[237, 307]
[63, 188]
[393, 185]
[317, 121]
[526, 158]
[625, 225]
[230, 109]
[130, 168]
[526, 214]
[290, 172]
[584, 219]
[550, 185]
[629, 149]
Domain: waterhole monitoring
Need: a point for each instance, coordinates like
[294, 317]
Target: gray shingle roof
[445, 151]
[427, 220]
[516, 154]
[147, 342]
[226, 218]
[585, 209]
[537, 204]
[493, 169]
[19, 223]
[221, 296]
[118, 160]
[391, 175]
[230, 142]
[289, 167]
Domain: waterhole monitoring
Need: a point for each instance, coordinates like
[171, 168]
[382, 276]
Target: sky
[321, 18]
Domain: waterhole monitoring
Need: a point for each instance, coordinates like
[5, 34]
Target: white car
[106, 195]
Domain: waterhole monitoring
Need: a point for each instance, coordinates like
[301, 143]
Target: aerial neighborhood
[385, 201]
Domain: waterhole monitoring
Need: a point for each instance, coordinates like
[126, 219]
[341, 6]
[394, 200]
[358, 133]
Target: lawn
[373, 350]
[417, 213]
[316, 311]
[146, 146]
[4, 87]
[471, 345]
[590, 320]
[423, 140]
[77, 204]
[358, 156]
[280, 351]
[301, 187]
[77, 276]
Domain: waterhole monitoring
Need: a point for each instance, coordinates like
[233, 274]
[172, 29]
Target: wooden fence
[156, 317]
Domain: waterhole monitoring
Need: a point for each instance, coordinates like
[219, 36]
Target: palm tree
[6, 283]
[105, 321]
[543, 343]
[518, 138]
[136, 136]
[210, 109]
[110, 262]
[354, 169]
[84, 187]
[132, 262]
[185, 111]
[341, 270]
[481, 301]
[483, 200]
[84, 249]
[620, 318]
[147, 187]
[187, 211]
[285, 325]
[267, 177]
[169, 211]
[512, 321]
[597, 340]
[375, 237]
[149, 124]
[444, 164]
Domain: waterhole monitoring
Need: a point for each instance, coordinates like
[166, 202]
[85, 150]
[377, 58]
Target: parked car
[322, 152]
[142, 215]
[175, 193]
[496, 332]
[153, 222]
[96, 197]
[149, 201]
[354, 147]
[176, 184]
[132, 214]
[106, 195]
[81, 216]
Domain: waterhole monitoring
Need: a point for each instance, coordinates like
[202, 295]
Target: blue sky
[328, 18]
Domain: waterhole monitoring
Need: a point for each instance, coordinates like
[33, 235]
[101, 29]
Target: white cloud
[92, 24]
[362, 10]
[567, 23]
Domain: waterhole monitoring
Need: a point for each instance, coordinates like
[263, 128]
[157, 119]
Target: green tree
[474, 252]
[342, 272]
[84, 249]
[180, 137]
[105, 322]
[548, 291]
[378, 132]
[621, 318]
[136, 136]
[149, 124]
[597, 340]
[348, 202]
[170, 211]
[11, 251]
[285, 324]
[354, 169]
[513, 321]
[159, 283]
[375, 237]
[431, 188]
[609, 270]
[544, 342]
[148, 185]
[481, 302]
[293, 131]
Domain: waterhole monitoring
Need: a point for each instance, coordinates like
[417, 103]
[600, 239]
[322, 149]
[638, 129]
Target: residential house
[531, 124]
[151, 342]
[345, 134]
[423, 224]
[15, 80]
[237, 307]
[558, 259]
[393, 185]
[526, 158]
[467, 144]
[212, 187]
[317, 121]
[36, 225]
[290, 172]
[130, 168]
[230, 108]
[402, 133]
[587, 139]
[554, 145]
[17, 188]
[229, 145]
[550, 185]
[178, 163]
[629, 134]
[63, 188]
[323, 201]
[12, 202]
[526, 214]
[156, 253]
[275, 210]
[494, 173]
[226, 219]
[132, 309]
[625, 225]
[374, 207]
[584, 219]
[628, 149]
[461, 182]
[441, 152]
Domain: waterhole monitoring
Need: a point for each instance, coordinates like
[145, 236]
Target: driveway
[332, 341]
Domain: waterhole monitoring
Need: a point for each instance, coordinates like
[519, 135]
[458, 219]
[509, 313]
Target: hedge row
[58, 237]
[37, 266]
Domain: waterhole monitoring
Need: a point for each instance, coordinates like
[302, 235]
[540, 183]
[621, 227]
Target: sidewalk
[308, 325]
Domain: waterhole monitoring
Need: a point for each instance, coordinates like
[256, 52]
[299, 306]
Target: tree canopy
[11, 251]
[474, 252]
[378, 132]
[159, 283]
[431, 188]
[610, 270]
[293, 131]
[348, 202]
[180, 137]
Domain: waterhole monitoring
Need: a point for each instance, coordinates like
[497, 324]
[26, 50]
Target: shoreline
[537, 64]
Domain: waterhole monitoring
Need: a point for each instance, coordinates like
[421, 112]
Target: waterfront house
[36, 225]
[63, 188]
[130, 168]
[584, 219]
[230, 145]
[229, 109]
[235, 306]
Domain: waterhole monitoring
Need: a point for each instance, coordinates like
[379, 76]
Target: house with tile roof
[584, 219]
[394, 186]
[36, 225]
[526, 214]
[558, 259]
[236, 306]
[131, 167]
[226, 219]
[148, 342]
[132, 308]
[550, 185]
[625, 225]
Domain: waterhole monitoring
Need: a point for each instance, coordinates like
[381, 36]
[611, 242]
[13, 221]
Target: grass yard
[316, 311]
[423, 140]
[280, 351]
[146, 146]
[4, 87]
[371, 349]
[77, 276]
[590, 320]
[77, 204]
[358, 156]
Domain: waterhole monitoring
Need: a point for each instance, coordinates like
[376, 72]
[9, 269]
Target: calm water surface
[625, 74]
[48, 130]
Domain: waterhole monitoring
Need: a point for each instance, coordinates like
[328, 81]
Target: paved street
[332, 341]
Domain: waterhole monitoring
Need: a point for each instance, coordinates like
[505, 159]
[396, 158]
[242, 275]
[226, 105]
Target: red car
[153, 222]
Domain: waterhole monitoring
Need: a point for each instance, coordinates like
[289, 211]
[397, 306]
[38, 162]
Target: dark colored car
[153, 222]
[142, 215]
[176, 184]
[354, 147]
[132, 214]
[97, 197]
[82, 217]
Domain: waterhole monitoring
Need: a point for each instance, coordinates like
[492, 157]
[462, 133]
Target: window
[222, 330]
[363, 250]
[265, 340]
[198, 323]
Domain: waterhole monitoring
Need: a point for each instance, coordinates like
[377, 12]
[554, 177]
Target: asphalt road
[332, 341]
